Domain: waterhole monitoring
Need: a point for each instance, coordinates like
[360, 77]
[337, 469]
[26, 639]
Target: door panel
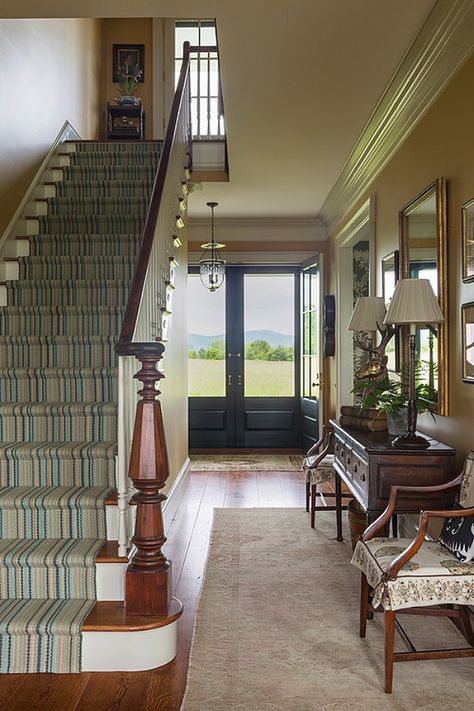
[210, 408]
[262, 362]
[311, 355]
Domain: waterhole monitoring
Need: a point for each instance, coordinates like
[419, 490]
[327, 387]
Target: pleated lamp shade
[414, 301]
[368, 312]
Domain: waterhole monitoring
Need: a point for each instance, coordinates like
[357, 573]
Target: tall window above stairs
[206, 101]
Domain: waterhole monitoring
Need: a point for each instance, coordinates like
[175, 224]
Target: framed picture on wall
[467, 224]
[467, 319]
[127, 61]
[390, 276]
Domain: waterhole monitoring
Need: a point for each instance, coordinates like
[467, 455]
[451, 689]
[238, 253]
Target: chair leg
[338, 508]
[313, 496]
[364, 604]
[389, 647]
[307, 495]
[466, 623]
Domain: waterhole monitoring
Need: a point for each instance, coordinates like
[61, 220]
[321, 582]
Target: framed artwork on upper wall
[127, 61]
[467, 224]
[467, 318]
[390, 276]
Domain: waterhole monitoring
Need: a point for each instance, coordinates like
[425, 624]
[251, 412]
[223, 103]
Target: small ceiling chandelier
[211, 264]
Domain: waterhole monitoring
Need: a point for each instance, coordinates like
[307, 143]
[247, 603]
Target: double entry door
[244, 359]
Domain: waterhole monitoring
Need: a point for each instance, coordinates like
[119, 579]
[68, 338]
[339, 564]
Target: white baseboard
[176, 487]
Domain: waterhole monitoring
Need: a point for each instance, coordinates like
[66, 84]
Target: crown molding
[264, 229]
[441, 46]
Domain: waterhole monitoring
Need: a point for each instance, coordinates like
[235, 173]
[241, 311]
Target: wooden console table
[368, 464]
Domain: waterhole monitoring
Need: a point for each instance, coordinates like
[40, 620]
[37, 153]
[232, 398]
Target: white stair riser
[45, 191]
[129, 651]
[9, 271]
[110, 581]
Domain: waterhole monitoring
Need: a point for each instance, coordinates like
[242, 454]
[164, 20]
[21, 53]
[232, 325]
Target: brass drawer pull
[355, 468]
[348, 460]
[362, 477]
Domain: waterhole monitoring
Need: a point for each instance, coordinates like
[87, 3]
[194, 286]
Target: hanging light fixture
[211, 264]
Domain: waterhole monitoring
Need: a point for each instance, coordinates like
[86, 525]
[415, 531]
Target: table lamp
[413, 303]
[368, 314]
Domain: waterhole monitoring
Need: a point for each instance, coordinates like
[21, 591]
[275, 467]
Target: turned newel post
[148, 574]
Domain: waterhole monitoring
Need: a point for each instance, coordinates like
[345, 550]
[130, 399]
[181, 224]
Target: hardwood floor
[188, 541]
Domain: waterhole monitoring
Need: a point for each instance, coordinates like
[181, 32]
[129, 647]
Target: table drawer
[359, 471]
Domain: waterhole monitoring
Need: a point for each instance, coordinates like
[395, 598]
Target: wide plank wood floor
[187, 546]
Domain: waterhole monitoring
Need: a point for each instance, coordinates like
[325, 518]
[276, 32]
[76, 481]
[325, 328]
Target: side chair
[318, 465]
[420, 576]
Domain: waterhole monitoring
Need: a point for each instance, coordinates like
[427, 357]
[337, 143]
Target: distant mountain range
[196, 341]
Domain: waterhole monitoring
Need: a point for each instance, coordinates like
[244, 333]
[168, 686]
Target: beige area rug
[246, 462]
[277, 627]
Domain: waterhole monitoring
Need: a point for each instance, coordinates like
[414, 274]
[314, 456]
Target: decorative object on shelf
[467, 224]
[128, 63]
[467, 318]
[368, 316]
[356, 417]
[128, 100]
[329, 325]
[388, 398]
[413, 303]
[211, 264]
[390, 276]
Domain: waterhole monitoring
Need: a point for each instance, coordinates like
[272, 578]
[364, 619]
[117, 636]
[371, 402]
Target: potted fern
[390, 396]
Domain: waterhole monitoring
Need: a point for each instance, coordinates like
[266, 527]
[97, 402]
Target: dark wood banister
[148, 575]
[125, 345]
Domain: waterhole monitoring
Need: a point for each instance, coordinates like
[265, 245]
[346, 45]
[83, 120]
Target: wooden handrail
[123, 346]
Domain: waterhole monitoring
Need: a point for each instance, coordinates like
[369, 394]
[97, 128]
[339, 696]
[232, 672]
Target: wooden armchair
[318, 465]
[420, 576]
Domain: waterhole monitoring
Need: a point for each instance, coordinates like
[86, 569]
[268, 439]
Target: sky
[268, 301]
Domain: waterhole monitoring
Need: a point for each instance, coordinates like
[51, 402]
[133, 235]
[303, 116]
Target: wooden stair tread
[111, 616]
[108, 554]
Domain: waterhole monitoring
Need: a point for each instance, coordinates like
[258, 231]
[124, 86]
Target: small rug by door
[277, 627]
[246, 462]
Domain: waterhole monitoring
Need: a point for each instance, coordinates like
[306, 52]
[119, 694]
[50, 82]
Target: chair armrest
[325, 438]
[387, 514]
[453, 513]
[398, 562]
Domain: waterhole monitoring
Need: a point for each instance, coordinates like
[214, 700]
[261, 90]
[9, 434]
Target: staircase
[58, 399]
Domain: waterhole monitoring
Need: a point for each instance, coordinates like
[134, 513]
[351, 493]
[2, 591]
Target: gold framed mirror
[423, 255]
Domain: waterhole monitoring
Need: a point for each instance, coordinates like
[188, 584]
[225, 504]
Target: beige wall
[128, 31]
[50, 74]
[174, 387]
[441, 145]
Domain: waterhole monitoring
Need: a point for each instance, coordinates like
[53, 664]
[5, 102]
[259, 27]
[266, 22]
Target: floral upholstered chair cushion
[320, 473]
[434, 576]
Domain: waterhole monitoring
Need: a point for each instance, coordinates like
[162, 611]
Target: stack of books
[363, 418]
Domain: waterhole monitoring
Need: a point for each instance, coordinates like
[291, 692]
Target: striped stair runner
[58, 395]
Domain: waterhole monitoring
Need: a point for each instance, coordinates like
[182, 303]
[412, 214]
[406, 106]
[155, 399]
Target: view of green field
[262, 378]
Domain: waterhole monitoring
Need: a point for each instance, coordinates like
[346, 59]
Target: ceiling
[300, 81]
